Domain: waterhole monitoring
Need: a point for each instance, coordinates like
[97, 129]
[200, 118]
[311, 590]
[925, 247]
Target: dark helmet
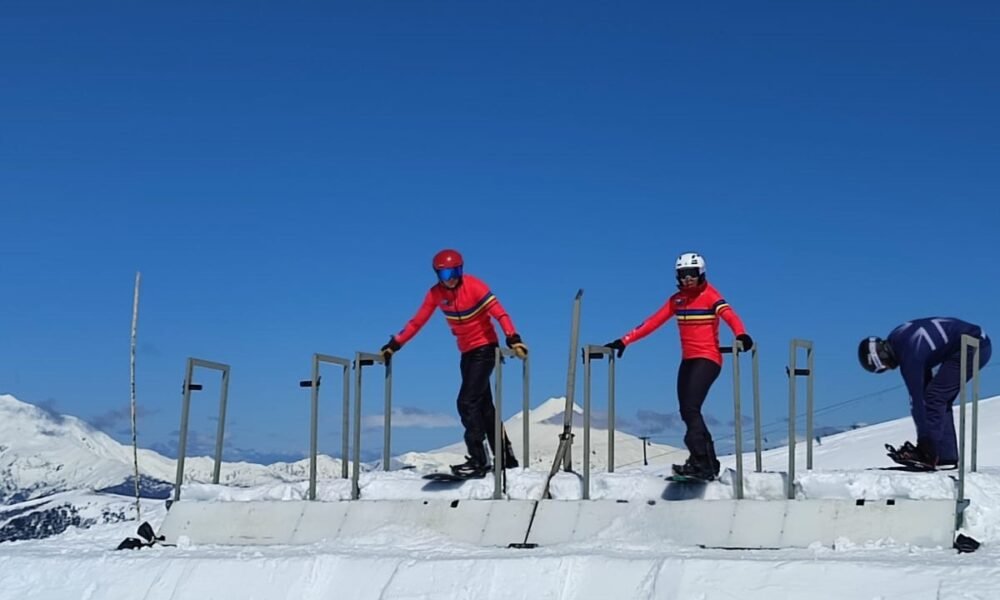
[875, 355]
[448, 264]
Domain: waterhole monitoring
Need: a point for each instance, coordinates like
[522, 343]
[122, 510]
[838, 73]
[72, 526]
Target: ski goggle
[692, 272]
[875, 357]
[449, 273]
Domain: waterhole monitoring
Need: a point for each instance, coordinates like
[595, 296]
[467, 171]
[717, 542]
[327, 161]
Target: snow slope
[399, 562]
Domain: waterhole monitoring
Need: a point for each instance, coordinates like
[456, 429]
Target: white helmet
[691, 260]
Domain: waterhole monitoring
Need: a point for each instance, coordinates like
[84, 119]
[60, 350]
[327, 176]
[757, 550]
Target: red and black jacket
[698, 311]
[467, 308]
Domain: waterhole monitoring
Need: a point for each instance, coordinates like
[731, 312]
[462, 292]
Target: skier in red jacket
[468, 304]
[698, 307]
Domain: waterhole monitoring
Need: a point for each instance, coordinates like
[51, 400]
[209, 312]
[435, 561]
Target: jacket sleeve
[419, 320]
[651, 324]
[497, 311]
[727, 314]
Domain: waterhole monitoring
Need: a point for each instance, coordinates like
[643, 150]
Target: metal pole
[314, 382]
[963, 366]
[809, 408]
[525, 409]
[586, 424]
[498, 443]
[758, 441]
[790, 484]
[132, 402]
[182, 443]
[975, 406]
[387, 431]
[345, 429]
[566, 437]
[611, 412]
[314, 427]
[220, 433]
[355, 487]
[738, 411]
[571, 383]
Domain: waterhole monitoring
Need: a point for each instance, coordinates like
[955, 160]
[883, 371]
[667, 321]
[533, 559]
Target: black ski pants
[475, 400]
[694, 378]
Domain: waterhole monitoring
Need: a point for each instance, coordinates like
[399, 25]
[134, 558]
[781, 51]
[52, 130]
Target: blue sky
[282, 174]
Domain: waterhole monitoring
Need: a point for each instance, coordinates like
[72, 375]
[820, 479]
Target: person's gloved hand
[389, 349]
[514, 343]
[618, 345]
[746, 340]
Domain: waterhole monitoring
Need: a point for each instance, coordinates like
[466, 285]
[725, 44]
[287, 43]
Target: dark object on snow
[131, 543]
[965, 544]
[147, 534]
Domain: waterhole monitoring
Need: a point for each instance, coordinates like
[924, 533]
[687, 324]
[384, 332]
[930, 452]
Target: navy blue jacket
[922, 344]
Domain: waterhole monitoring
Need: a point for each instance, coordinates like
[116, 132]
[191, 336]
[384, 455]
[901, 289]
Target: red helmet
[447, 259]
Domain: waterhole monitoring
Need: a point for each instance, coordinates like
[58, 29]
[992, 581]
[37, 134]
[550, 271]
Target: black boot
[475, 464]
[471, 468]
[697, 468]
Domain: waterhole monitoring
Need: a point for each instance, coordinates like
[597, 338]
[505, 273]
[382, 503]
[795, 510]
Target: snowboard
[449, 476]
[686, 479]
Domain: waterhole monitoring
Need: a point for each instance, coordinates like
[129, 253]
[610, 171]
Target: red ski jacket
[468, 308]
[698, 311]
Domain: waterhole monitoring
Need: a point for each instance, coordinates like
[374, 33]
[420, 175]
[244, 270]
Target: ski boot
[696, 469]
[911, 456]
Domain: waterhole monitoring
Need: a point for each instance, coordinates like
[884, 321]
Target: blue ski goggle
[449, 273]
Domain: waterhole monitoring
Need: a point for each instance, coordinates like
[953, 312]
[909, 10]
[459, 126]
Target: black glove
[746, 340]
[389, 349]
[514, 343]
[618, 345]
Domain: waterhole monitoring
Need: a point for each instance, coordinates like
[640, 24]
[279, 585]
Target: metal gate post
[591, 352]
[736, 349]
[968, 342]
[793, 372]
[499, 434]
[314, 383]
[188, 387]
[361, 360]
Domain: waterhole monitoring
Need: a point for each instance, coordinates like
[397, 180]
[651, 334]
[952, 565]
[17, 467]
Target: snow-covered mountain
[42, 453]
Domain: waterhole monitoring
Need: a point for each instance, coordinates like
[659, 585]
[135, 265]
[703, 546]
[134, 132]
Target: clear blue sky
[282, 173]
